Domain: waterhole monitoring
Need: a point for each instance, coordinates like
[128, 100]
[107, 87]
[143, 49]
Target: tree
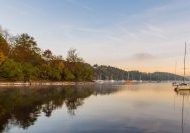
[11, 70]
[4, 46]
[47, 54]
[83, 71]
[50, 71]
[26, 41]
[54, 74]
[67, 75]
[29, 71]
[2, 57]
[79, 71]
[72, 56]
[26, 50]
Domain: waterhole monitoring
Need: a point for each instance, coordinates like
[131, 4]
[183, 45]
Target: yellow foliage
[2, 57]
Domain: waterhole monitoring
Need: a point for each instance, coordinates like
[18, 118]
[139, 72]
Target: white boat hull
[183, 87]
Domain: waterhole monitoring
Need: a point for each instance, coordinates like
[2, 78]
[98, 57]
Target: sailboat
[183, 85]
[140, 80]
[99, 80]
[128, 79]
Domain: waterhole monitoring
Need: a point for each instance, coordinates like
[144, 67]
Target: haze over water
[138, 108]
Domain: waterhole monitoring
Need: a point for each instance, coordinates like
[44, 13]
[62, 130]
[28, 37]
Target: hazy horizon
[133, 35]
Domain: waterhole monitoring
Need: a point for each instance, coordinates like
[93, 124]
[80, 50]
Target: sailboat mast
[175, 70]
[184, 61]
[128, 76]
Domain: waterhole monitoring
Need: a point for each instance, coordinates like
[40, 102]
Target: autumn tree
[2, 57]
[26, 50]
[4, 46]
[72, 56]
[47, 55]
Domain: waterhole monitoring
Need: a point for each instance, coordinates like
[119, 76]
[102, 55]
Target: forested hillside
[112, 73]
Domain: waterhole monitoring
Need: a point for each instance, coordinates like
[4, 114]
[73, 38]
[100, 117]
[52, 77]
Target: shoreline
[64, 83]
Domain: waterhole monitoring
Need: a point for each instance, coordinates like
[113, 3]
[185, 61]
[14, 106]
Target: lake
[103, 108]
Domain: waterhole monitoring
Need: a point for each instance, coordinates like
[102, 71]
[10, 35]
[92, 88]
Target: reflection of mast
[183, 93]
[128, 76]
[182, 111]
[140, 78]
[100, 77]
[174, 102]
[150, 77]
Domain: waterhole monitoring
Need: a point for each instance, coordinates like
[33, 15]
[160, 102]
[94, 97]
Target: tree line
[103, 72]
[22, 60]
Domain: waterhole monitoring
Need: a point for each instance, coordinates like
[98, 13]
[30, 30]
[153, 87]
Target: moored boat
[183, 85]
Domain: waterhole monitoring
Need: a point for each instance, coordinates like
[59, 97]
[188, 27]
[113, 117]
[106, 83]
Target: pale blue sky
[147, 35]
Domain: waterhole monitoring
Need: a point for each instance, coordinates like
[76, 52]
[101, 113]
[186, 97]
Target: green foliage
[29, 71]
[49, 71]
[78, 71]
[54, 74]
[26, 62]
[27, 42]
[11, 69]
[26, 50]
[83, 71]
[44, 71]
[67, 75]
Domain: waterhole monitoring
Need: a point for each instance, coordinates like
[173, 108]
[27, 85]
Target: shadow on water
[22, 106]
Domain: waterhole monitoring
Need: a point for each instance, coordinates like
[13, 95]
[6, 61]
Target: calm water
[140, 108]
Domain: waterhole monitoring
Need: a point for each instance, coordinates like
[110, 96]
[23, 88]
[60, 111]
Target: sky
[144, 35]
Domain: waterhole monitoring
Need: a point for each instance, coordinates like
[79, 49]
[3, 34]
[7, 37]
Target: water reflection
[135, 108]
[184, 94]
[22, 106]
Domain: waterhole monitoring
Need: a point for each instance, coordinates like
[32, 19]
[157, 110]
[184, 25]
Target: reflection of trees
[48, 108]
[22, 106]
[72, 104]
[106, 89]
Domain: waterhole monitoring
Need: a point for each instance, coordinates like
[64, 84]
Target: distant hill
[112, 73]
